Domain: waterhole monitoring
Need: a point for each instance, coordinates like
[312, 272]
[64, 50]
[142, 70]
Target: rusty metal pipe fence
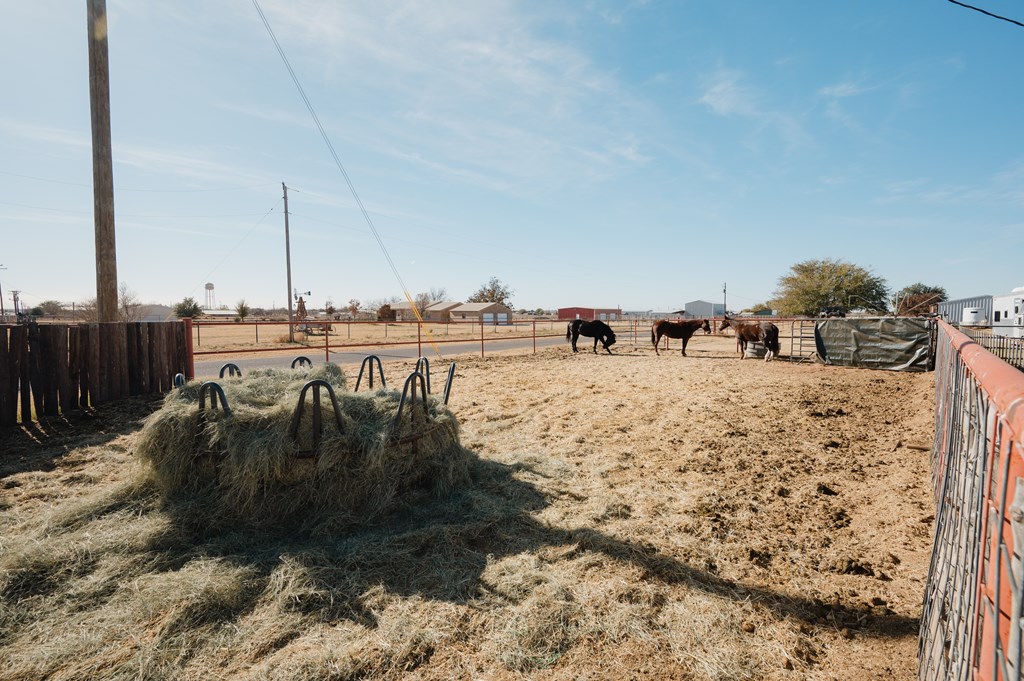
[972, 612]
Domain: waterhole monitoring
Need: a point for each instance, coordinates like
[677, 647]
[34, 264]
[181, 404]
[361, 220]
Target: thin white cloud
[47, 135]
[1004, 188]
[474, 89]
[841, 90]
[185, 166]
[726, 96]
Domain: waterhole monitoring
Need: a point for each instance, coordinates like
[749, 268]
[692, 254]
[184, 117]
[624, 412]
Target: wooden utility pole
[288, 262]
[102, 163]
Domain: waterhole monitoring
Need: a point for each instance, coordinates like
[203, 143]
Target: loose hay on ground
[626, 516]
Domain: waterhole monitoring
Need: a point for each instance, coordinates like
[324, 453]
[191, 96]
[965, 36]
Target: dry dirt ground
[634, 517]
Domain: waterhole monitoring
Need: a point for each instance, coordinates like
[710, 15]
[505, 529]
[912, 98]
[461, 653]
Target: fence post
[481, 338]
[535, 336]
[190, 358]
[419, 346]
[327, 341]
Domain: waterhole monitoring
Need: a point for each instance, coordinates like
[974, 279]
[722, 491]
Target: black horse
[596, 329]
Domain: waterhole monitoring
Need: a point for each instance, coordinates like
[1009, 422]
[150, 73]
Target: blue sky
[633, 154]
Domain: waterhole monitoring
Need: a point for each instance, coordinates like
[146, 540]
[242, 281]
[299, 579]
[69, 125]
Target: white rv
[1008, 314]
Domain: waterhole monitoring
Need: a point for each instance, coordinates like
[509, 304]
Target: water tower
[211, 300]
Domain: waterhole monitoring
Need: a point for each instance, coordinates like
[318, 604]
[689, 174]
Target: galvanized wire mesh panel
[972, 612]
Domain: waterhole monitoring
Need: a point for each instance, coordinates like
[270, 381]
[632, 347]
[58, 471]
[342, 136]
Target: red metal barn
[608, 314]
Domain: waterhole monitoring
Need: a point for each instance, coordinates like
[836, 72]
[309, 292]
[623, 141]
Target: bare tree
[86, 310]
[129, 309]
[353, 307]
[423, 301]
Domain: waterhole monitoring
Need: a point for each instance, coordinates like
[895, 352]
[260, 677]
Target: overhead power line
[986, 13]
[341, 168]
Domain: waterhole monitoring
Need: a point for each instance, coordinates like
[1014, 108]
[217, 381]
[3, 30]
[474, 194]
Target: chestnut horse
[765, 333]
[683, 330]
[596, 329]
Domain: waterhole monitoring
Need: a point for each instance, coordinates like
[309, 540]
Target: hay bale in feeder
[755, 350]
[247, 467]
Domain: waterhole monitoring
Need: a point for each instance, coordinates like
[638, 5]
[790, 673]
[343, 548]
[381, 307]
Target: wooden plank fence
[52, 369]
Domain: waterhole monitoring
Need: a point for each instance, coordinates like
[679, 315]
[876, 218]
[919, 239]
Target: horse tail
[654, 339]
[568, 331]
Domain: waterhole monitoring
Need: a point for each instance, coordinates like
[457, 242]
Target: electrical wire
[235, 247]
[341, 169]
[987, 13]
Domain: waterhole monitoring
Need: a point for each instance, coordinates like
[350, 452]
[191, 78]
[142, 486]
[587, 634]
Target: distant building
[222, 313]
[440, 312]
[157, 313]
[485, 313]
[701, 308]
[605, 314]
[979, 307]
[404, 311]
[1008, 313]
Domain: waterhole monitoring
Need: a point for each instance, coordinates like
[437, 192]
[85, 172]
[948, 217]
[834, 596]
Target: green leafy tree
[814, 286]
[242, 309]
[188, 308]
[917, 299]
[51, 308]
[493, 292]
[759, 308]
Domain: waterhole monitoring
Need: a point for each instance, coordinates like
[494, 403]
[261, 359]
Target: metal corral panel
[894, 344]
[952, 310]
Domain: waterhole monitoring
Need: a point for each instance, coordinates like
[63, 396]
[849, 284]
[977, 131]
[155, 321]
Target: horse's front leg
[684, 346]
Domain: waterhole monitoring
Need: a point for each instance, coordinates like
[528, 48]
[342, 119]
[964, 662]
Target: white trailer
[1008, 314]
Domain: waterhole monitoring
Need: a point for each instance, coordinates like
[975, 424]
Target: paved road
[210, 368]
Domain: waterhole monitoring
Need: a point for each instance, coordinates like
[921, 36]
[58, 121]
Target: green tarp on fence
[894, 344]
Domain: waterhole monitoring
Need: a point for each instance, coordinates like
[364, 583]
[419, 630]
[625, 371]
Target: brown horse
[683, 330]
[765, 333]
